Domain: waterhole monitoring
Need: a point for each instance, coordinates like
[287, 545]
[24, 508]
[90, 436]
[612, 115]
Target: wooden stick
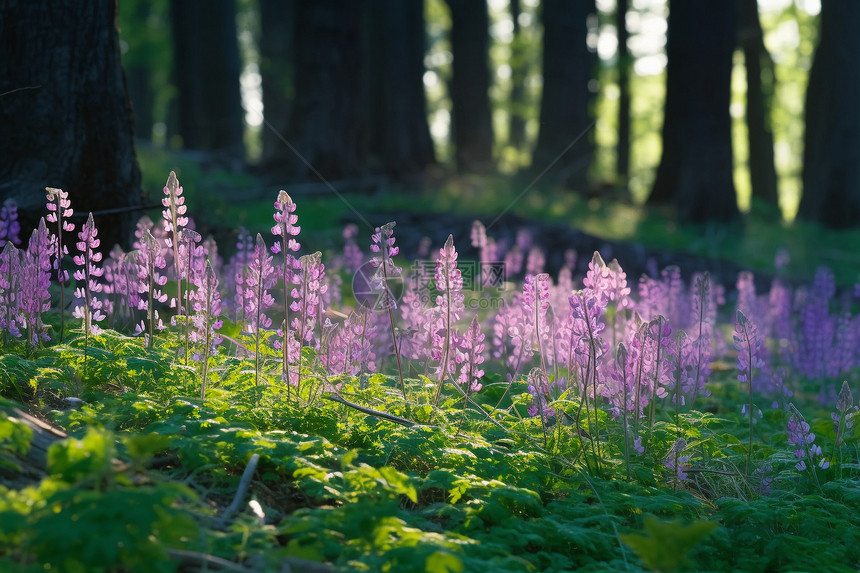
[244, 483]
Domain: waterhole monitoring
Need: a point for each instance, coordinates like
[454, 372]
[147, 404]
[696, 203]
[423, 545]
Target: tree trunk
[65, 113]
[137, 61]
[831, 166]
[622, 160]
[564, 142]
[276, 69]
[206, 58]
[398, 132]
[695, 172]
[471, 122]
[760, 90]
[517, 96]
[325, 125]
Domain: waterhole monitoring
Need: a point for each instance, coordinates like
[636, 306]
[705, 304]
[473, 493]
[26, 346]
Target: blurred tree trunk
[622, 160]
[564, 145]
[695, 173]
[471, 121]
[276, 70]
[65, 113]
[516, 98]
[206, 59]
[760, 90]
[325, 120]
[831, 166]
[138, 74]
[398, 131]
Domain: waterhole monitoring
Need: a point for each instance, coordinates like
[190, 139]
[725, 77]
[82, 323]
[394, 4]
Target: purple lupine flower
[35, 280]
[513, 261]
[206, 320]
[59, 210]
[799, 434]
[470, 348]
[10, 263]
[609, 282]
[174, 218]
[524, 240]
[352, 351]
[383, 246]
[487, 254]
[306, 297]
[150, 261]
[9, 225]
[676, 462]
[748, 345]
[817, 326]
[535, 261]
[843, 418]
[285, 229]
[262, 276]
[417, 331]
[237, 267]
[121, 276]
[91, 305]
[539, 388]
[352, 256]
[703, 311]
[535, 306]
[285, 225]
[449, 307]
[192, 258]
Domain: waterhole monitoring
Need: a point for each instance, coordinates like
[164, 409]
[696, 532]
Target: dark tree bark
[65, 115]
[622, 163]
[831, 166]
[471, 122]
[564, 145]
[325, 124]
[394, 85]
[760, 88]
[276, 69]
[134, 23]
[207, 66]
[695, 172]
[516, 98]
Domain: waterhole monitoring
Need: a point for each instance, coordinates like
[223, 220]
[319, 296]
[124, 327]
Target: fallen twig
[244, 483]
[370, 411]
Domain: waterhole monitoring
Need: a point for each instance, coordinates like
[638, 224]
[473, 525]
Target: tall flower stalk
[206, 321]
[87, 275]
[149, 283]
[260, 277]
[190, 264]
[35, 280]
[383, 246]
[59, 211]
[285, 229]
[748, 345]
[174, 221]
[449, 304]
[10, 261]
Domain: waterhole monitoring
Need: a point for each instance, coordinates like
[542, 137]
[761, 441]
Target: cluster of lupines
[557, 335]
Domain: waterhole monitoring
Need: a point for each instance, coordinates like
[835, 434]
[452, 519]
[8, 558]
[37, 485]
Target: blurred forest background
[701, 110]
[357, 86]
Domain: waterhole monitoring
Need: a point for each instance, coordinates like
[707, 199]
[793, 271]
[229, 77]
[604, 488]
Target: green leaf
[665, 544]
[443, 562]
[72, 460]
